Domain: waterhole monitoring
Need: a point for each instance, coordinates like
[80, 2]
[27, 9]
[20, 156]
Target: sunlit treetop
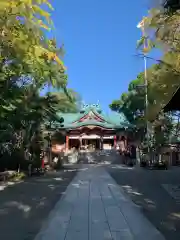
[22, 19]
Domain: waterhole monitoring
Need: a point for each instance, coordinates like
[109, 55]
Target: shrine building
[92, 127]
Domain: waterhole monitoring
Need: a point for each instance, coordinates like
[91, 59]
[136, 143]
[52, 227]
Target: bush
[19, 176]
[143, 164]
[12, 161]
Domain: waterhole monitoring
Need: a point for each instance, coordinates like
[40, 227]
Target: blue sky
[100, 41]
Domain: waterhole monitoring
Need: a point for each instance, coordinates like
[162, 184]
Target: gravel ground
[157, 192]
[24, 206]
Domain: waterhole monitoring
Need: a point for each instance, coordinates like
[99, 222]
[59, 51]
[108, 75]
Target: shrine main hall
[91, 127]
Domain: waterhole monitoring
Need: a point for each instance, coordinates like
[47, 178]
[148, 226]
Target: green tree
[161, 30]
[67, 102]
[29, 61]
[132, 104]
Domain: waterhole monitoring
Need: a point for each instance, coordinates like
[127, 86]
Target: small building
[173, 148]
[91, 127]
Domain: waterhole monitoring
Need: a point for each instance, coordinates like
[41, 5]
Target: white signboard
[108, 137]
[93, 136]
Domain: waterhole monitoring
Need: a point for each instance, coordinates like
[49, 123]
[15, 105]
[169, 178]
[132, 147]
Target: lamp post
[141, 26]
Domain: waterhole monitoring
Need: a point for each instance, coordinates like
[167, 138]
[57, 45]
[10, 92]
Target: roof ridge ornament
[91, 105]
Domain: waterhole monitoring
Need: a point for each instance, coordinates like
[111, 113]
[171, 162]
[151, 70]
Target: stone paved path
[173, 190]
[24, 206]
[95, 208]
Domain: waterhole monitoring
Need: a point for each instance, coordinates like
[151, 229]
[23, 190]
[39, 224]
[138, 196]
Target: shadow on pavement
[24, 206]
[146, 189]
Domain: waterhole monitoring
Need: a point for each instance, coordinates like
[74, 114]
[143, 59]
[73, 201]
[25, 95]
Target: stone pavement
[157, 192]
[94, 207]
[25, 205]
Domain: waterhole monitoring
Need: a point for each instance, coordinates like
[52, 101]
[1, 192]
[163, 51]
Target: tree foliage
[161, 30]
[132, 104]
[29, 62]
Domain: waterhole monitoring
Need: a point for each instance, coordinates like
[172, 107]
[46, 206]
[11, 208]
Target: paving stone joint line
[118, 205]
[90, 194]
[105, 211]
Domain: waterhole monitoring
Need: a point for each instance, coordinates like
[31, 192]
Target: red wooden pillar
[67, 142]
[125, 142]
[115, 141]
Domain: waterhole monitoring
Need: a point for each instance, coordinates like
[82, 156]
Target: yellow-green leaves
[21, 24]
[161, 29]
[145, 44]
[141, 42]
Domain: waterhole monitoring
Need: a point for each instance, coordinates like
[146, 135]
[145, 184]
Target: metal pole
[49, 134]
[141, 25]
[146, 84]
[146, 97]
